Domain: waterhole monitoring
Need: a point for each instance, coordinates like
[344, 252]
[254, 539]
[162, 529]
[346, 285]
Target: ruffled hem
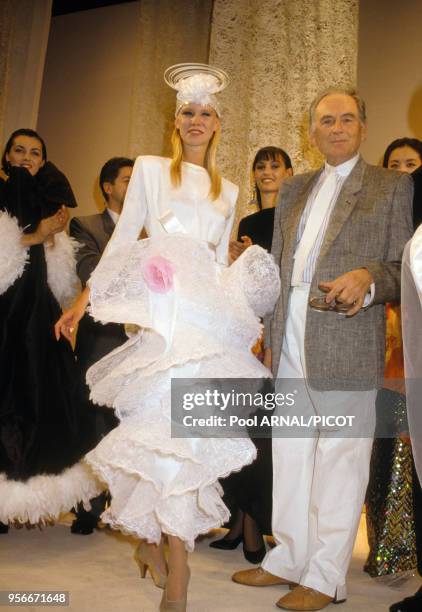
[43, 498]
[123, 382]
[163, 485]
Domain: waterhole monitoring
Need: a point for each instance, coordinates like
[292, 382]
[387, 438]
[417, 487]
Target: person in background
[405, 155]
[250, 491]
[412, 323]
[46, 426]
[93, 339]
[389, 514]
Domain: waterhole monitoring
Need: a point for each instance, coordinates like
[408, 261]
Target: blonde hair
[210, 162]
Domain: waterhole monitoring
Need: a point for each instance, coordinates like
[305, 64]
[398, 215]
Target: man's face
[337, 130]
[116, 191]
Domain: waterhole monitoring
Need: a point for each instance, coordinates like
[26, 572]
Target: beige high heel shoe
[144, 560]
[168, 605]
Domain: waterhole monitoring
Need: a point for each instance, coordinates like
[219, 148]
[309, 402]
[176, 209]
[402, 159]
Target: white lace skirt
[161, 484]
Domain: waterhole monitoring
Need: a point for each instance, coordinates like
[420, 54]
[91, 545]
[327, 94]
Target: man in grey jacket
[93, 232]
[339, 234]
[95, 340]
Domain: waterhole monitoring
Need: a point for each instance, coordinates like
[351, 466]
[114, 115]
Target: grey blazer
[368, 228]
[92, 232]
[93, 340]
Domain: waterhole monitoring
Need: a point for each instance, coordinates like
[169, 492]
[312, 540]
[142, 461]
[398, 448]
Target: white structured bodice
[150, 195]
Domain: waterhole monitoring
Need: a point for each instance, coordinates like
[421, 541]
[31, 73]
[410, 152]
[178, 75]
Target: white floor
[100, 575]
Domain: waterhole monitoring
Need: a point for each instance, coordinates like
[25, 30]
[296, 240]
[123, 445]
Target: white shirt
[114, 215]
[342, 171]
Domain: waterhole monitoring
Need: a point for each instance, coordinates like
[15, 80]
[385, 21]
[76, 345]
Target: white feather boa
[13, 255]
[45, 497]
[60, 258]
[61, 268]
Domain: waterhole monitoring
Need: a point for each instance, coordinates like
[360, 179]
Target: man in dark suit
[93, 339]
[339, 234]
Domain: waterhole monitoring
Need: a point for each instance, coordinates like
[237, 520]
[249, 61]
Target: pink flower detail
[158, 274]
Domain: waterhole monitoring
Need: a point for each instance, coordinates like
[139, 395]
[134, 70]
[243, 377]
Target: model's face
[27, 153]
[116, 191]
[269, 174]
[196, 124]
[404, 159]
[337, 130]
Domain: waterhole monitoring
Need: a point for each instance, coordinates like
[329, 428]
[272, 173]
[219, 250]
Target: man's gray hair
[347, 91]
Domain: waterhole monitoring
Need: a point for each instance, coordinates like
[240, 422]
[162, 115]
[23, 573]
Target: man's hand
[236, 248]
[350, 288]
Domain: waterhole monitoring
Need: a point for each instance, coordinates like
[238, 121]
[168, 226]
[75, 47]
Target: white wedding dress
[203, 327]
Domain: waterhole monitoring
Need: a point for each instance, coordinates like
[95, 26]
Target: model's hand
[350, 288]
[236, 248]
[67, 323]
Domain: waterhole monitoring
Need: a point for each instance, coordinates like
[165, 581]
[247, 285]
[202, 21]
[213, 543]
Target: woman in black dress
[249, 492]
[46, 426]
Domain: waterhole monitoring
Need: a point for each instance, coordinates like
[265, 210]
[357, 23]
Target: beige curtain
[279, 54]
[24, 27]
[170, 32]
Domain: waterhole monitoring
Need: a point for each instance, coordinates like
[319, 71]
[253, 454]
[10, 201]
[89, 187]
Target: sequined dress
[389, 500]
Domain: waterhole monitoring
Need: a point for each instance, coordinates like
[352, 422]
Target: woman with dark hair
[270, 167]
[45, 427]
[389, 513]
[250, 491]
[403, 154]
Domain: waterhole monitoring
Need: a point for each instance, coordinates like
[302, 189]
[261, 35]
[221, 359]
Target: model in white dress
[159, 484]
[155, 479]
[203, 327]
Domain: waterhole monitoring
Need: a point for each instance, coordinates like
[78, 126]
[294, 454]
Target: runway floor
[100, 575]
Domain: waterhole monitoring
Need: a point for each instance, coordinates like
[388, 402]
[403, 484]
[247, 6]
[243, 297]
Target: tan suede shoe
[259, 577]
[304, 598]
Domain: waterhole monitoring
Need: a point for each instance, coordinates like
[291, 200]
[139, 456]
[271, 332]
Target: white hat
[196, 83]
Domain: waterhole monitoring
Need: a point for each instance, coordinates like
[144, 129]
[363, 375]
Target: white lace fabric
[155, 479]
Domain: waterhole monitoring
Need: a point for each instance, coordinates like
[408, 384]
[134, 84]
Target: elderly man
[340, 231]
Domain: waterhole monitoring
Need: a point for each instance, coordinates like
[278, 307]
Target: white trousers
[319, 482]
